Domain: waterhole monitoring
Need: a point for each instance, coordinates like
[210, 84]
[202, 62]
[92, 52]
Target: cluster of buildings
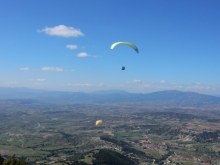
[148, 145]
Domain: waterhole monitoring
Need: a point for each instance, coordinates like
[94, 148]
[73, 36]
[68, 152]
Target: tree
[1, 160]
[13, 161]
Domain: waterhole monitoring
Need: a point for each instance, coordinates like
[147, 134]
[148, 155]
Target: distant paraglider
[124, 43]
[98, 122]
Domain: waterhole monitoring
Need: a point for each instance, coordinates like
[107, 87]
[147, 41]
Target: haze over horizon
[65, 46]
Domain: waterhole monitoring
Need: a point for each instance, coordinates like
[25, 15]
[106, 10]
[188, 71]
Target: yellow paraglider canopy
[98, 122]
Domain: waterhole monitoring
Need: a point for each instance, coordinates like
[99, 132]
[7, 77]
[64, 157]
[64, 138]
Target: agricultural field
[63, 134]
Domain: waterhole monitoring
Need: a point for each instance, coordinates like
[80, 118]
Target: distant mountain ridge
[169, 97]
[17, 93]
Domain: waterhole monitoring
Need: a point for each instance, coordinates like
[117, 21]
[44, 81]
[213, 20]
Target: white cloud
[137, 81]
[40, 80]
[62, 31]
[11, 82]
[80, 85]
[101, 85]
[142, 86]
[24, 69]
[72, 70]
[83, 54]
[199, 87]
[162, 81]
[39, 83]
[71, 47]
[146, 86]
[178, 87]
[57, 69]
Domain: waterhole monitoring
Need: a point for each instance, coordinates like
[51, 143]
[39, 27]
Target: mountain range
[165, 98]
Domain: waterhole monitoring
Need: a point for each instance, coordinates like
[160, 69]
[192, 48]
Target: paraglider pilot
[124, 43]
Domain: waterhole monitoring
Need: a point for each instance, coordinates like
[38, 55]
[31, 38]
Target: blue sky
[65, 45]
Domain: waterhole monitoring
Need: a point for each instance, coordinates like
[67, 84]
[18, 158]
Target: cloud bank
[143, 86]
[80, 85]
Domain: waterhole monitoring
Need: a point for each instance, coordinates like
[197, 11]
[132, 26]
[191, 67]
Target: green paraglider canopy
[125, 43]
